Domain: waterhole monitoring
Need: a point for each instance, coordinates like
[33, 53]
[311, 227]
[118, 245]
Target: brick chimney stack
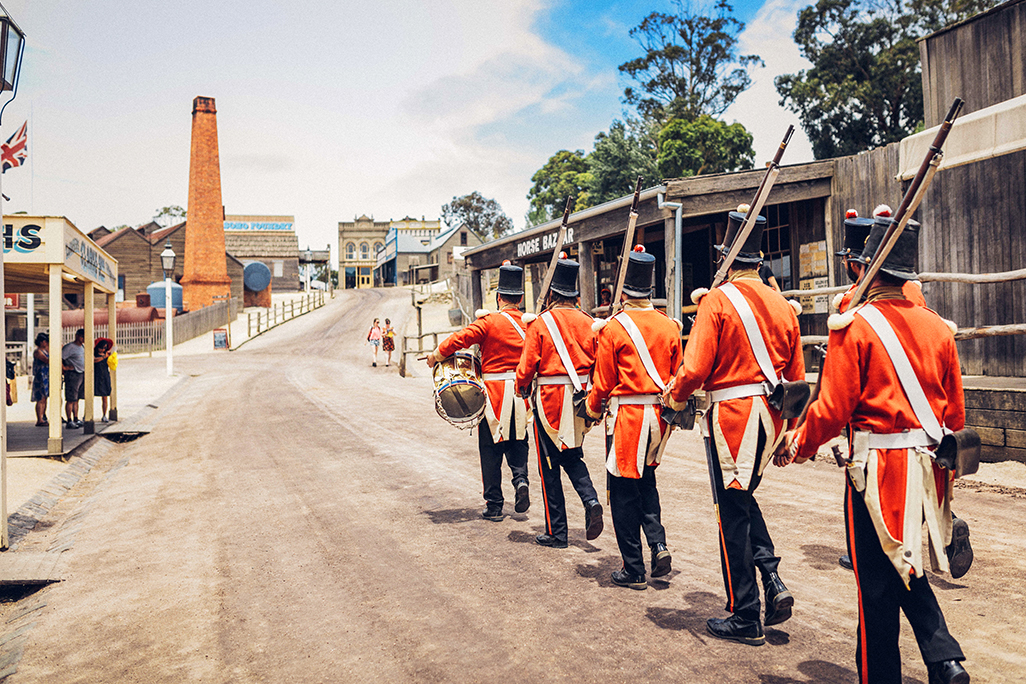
[205, 267]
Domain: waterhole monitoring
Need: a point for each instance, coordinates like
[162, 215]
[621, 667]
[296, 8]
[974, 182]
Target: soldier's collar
[641, 304]
[510, 307]
[884, 292]
[747, 274]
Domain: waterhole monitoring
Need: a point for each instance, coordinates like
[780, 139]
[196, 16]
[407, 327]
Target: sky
[330, 110]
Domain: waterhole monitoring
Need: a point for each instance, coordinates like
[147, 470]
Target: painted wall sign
[81, 256]
[12, 300]
[25, 240]
[257, 225]
[543, 243]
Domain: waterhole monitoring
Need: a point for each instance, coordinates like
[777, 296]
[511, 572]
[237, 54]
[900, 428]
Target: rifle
[909, 203]
[772, 171]
[628, 245]
[547, 281]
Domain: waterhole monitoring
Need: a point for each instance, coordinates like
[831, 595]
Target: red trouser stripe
[863, 657]
[541, 476]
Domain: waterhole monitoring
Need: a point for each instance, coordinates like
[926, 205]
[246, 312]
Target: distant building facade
[414, 256]
[360, 241]
[271, 240]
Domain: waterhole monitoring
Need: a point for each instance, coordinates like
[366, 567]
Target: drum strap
[514, 322]
[906, 374]
[564, 354]
[641, 346]
[755, 337]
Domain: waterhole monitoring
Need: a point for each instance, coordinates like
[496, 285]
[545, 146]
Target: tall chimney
[205, 267]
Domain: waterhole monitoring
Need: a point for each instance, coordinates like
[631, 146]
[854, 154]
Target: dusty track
[300, 516]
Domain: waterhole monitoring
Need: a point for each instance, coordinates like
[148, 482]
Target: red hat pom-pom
[882, 210]
[562, 255]
[639, 248]
[851, 213]
[507, 262]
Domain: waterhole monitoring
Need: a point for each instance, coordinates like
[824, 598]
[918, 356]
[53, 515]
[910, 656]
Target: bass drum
[459, 391]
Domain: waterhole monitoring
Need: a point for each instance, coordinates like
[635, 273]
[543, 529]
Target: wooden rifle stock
[628, 245]
[909, 203]
[761, 194]
[547, 281]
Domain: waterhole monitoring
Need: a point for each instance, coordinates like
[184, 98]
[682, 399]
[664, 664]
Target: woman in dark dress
[101, 372]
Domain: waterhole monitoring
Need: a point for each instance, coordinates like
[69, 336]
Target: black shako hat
[564, 278]
[856, 231]
[637, 281]
[750, 252]
[901, 262]
[511, 280]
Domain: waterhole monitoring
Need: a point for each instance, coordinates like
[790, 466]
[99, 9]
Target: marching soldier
[856, 258]
[892, 375]
[745, 341]
[500, 336]
[638, 352]
[560, 351]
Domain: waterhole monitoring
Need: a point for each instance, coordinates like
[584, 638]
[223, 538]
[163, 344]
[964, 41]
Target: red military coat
[912, 290]
[718, 355]
[501, 342]
[639, 436]
[860, 387]
[554, 402]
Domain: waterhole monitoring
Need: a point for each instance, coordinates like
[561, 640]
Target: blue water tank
[156, 292]
[256, 276]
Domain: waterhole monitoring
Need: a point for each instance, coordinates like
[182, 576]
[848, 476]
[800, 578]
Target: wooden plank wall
[982, 61]
[972, 223]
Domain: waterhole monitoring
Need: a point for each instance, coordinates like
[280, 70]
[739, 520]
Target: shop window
[279, 268]
[364, 250]
[350, 250]
[463, 238]
[776, 244]
[378, 247]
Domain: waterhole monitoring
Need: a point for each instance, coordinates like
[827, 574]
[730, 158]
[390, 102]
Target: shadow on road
[822, 557]
[454, 515]
[701, 606]
[818, 671]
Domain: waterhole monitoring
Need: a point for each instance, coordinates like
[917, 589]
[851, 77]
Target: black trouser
[515, 451]
[881, 594]
[550, 459]
[745, 541]
[634, 505]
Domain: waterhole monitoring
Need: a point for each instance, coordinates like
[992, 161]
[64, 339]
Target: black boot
[737, 629]
[661, 560]
[960, 551]
[493, 512]
[947, 672]
[550, 541]
[622, 578]
[845, 562]
[778, 600]
[523, 500]
[592, 519]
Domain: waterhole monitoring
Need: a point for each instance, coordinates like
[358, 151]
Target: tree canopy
[481, 215]
[166, 216]
[619, 157]
[565, 173]
[705, 145]
[690, 66]
[864, 88]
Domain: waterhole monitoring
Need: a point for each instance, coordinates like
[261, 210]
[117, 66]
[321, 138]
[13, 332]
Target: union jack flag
[14, 152]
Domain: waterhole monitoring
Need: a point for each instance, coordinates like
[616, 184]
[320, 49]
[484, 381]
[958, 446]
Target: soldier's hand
[784, 453]
[432, 359]
[665, 398]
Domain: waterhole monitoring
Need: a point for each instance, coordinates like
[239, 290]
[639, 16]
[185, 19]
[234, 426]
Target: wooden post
[88, 423]
[112, 333]
[402, 357]
[586, 281]
[55, 443]
[669, 258]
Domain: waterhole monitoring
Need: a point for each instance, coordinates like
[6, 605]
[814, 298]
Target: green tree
[705, 145]
[564, 174]
[690, 66]
[619, 157]
[168, 216]
[864, 88]
[481, 215]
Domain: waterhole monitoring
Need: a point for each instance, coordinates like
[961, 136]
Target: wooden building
[270, 240]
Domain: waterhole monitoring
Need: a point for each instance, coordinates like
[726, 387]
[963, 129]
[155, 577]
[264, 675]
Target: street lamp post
[12, 47]
[167, 263]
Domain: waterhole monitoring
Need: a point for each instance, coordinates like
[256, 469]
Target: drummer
[500, 336]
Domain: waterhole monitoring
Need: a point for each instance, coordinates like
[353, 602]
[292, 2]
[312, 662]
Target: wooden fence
[261, 321]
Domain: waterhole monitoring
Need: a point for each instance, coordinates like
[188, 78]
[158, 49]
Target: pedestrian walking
[388, 341]
[374, 340]
[41, 377]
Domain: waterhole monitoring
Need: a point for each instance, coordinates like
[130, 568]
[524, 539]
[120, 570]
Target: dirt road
[297, 515]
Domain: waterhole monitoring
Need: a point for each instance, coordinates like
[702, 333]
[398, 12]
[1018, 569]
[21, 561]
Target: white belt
[495, 377]
[558, 380]
[900, 440]
[755, 389]
[637, 399]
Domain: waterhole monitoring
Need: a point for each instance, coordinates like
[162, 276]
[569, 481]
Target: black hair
[890, 280]
[42, 337]
[557, 299]
[509, 299]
